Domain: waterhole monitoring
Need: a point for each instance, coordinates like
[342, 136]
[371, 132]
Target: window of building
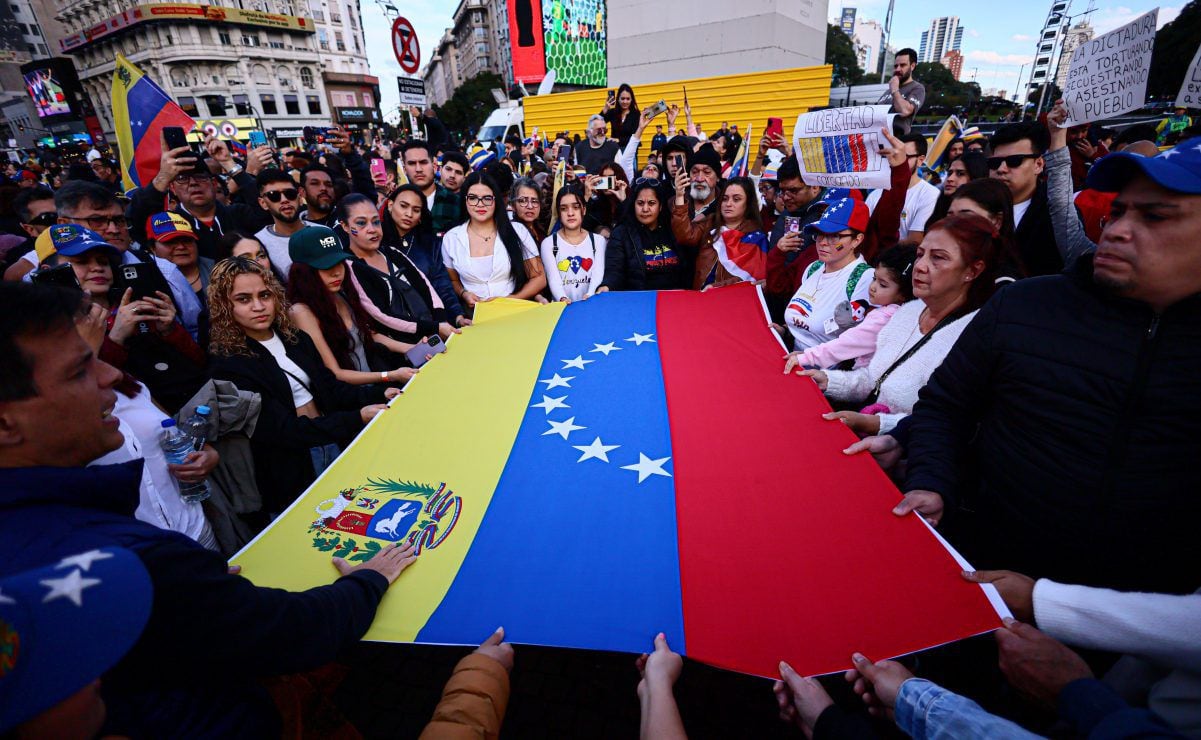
[338, 39]
[250, 39]
[323, 39]
[216, 105]
[357, 48]
[268, 101]
[261, 74]
[314, 103]
[306, 77]
[481, 33]
[223, 37]
[292, 105]
[481, 48]
[368, 101]
[335, 16]
[188, 104]
[242, 105]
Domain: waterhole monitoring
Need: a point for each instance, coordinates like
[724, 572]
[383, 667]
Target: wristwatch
[383, 376]
[235, 170]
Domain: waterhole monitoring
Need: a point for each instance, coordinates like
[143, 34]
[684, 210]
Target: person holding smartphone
[621, 112]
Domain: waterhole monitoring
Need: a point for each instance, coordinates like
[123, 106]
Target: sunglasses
[653, 182]
[286, 194]
[43, 219]
[1013, 161]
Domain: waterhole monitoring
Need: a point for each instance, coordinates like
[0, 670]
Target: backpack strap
[813, 268]
[857, 273]
[554, 246]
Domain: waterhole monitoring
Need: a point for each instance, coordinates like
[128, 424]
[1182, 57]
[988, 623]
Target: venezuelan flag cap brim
[64, 624]
[1178, 169]
[71, 240]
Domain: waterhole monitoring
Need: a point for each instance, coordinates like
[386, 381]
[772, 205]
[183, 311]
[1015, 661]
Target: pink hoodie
[858, 342]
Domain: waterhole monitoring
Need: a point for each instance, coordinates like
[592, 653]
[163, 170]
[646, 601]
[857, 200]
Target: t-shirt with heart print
[573, 271]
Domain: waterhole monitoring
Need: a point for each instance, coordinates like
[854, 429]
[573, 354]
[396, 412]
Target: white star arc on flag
[578, 363]
[562, 428]
[558, 381]
[595, 451]
[550, 404]
[646, 467]
[70, 587]
[606, 348]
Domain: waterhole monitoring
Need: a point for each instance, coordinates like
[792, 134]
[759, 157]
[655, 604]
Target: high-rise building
[953, 60]
[441, 73]
[1073, 38]
[944, 35]
[868, 38]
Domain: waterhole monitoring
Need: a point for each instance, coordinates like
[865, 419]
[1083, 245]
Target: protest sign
[1190, 89]
[1108, 75]
[840, 147]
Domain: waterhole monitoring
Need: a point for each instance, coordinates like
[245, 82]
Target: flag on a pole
[742, 159]
[936, 158]
[582, 518]
[560, 178]
[141, 110]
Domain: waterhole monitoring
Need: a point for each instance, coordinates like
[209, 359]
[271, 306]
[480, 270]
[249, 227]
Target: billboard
[567, 36]
[847, 24]
[189, 11]
[53, 86]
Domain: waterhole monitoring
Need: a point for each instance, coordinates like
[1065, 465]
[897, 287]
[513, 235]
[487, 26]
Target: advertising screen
[574, 37]
[48, 91]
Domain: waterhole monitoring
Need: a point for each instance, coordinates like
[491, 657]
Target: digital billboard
[568, 36]
[52, 85]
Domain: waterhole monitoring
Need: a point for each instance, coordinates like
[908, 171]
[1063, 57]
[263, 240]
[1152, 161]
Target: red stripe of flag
[148, 152]
[858, 153]
[783, 540]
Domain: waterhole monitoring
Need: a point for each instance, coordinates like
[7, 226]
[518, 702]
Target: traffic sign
[404, 43]
[412, 90]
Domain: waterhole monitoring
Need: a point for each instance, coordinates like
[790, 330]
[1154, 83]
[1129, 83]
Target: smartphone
[377, 169]
[59, 276]
[658, 108]
[138, 278]
[792, 224]
[678, 158]
[775, 127]
[604, 183]
[317, 134]
[685, 95]
[424, 350]
[175, 137]
[612, 95]
[257, 139]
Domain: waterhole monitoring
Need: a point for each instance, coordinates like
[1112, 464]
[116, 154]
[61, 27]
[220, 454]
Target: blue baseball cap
[63, 625]
[70, 240]
[844, 213]
[1178, 169]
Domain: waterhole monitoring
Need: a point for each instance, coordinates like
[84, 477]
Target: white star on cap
[558, 381]
[70, 587]
[83, 561]
[550, 404]
[1169, 153]
[646, 467]
[597, 450]
[639, 339]
[562, 428]
[6, 600]
[579, 362]
[606, 348]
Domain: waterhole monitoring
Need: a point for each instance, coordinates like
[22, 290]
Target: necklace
[487, 238]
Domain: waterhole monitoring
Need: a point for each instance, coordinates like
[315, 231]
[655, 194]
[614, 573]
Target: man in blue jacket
[211, 634]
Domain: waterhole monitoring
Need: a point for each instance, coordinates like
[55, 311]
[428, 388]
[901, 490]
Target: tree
[1175, 45]
[471, 103]
[942, 89]
[840, 53]
[1053, 94]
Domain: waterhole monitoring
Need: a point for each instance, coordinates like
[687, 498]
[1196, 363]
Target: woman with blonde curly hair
[307, 414]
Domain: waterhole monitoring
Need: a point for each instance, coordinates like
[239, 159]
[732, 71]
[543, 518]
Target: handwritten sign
[840, 147]
[1190, 89]
[1108, 75]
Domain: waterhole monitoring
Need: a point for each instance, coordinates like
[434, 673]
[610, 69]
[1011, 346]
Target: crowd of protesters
[1016, 338]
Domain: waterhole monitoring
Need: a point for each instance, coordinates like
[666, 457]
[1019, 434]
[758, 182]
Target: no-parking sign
[404, 43]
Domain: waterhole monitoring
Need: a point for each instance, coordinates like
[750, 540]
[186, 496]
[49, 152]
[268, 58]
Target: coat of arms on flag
[382, 512]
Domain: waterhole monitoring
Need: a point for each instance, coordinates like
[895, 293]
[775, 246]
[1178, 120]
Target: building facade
[953, 60]
[473, 37]
[944, 35]
[868, 39]
[351, 90]
[1075, 37]
[441, 73]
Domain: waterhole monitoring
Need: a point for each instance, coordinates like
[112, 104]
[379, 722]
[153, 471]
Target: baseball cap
[69, 240]
[844, 213]
[316, 246]
[833, 195]
[1178, 169]
[28, 175]
[63, 625]
[167, 227]
[481, 157]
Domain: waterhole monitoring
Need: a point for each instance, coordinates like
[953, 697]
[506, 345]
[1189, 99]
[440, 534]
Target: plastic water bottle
[176, 447]
[196, 426]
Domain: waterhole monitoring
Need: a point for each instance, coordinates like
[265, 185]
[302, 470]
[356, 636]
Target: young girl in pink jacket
[892, 286]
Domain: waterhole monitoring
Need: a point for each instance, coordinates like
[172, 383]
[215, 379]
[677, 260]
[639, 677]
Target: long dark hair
[305, 286]
[630, 219]
[504, 228]
[750, 192]
[391, 232]
[573, 189]
[994, 197]
[899, 261]
[979, 241]
[634, 110]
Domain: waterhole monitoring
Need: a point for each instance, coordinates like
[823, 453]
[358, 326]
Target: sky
[995, 44]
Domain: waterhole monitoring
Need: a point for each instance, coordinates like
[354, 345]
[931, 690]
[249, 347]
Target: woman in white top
[957, 264]
[838, 275]
[574, 258]
[490, 257]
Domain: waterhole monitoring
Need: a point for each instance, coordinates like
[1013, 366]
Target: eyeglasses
[98, 223]
[286, 194]
[1013, 161]
[653, 182]
[527, 202]
[833, 238]
[485, 200]
[187, 178]
[43, 219]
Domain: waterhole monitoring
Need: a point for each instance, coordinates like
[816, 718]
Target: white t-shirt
[919, 205]
[298, 379]
[812, 307]
[1019, 210]
[488, 276]
[277, 250]
[576, 270]
[159, 502]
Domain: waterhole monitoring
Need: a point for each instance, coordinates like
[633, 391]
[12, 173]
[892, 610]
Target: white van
[505, 120]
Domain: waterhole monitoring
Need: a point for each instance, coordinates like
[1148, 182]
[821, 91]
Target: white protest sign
[1108, 75]
[1190, 89]
[840, 147]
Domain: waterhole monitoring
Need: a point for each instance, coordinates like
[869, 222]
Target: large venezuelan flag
[590, 475]
[140, 112]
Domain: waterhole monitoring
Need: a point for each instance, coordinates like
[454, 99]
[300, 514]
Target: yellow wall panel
[739, 99]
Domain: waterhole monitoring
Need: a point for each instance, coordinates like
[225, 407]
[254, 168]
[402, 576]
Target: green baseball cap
[318, 247]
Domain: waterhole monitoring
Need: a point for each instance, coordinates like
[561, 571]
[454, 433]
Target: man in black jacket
[1073, 400]
[211, 635]
[1017, 161]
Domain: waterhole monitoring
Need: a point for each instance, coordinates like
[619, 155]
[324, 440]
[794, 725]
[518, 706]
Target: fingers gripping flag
[141, 110]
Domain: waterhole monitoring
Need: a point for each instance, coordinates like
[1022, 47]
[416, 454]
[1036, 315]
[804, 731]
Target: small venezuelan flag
[141, 110]
[635, 463]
